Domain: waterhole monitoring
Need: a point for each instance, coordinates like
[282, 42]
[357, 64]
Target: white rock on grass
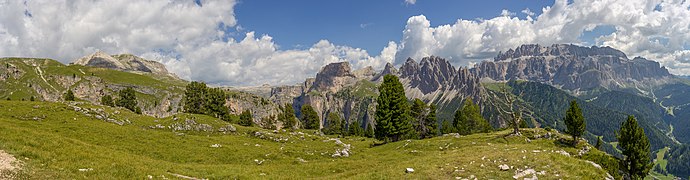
[409, 170]
[504, 167]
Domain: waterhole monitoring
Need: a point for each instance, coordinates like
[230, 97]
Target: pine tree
[107, 100]
[392, 111]
[431, 123]
[469, 120]
[356, 129]
[598, 145]
[194, 95]
[574, 121]
[288, 116]
[636, 149]
[69, 96]
[447, 127]
[424, 119]
[309, 117]
[246, 118]
[334, 124]
[369, 132]
[128, 100]
[215, 103]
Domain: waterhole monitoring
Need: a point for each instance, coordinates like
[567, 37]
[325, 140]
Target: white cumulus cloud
[658, 30]
[185, 36]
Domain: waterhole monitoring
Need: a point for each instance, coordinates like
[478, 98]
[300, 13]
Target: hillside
[158, 94]
[54, 141]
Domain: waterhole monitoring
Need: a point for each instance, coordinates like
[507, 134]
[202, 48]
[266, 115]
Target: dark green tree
[107, 100]
[128, 100]
[393, 122]
[356, 129]
[69, 96]
[334, 124]
[269, 122]
[424, 118]
[288, 116]
[194, 97]
[246, 118]
[32, 98]
[598, 145]
[369, 132]
[215, 103]
[574, 121]
[431, 123]
[469, 120]
[309, 117]
[447, 127]
[636, 149]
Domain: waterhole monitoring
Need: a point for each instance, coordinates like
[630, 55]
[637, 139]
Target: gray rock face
[123, 62]
[435, 74]
[333, 76]
[572, 67]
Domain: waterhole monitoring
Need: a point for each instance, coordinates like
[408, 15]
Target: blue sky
[278, 42]
[367, 24]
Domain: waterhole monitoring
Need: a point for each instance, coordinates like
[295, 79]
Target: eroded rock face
[572, 67]
[435, 79]
[123, 62]
[333, 77]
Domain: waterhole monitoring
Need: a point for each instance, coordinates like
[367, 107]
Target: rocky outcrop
[333, 77]
[123, 62]
[435, 75]
[573, 68]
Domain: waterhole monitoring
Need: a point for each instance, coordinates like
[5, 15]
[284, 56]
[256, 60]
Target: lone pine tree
[392, 111]
[636, 148]
[574, 121]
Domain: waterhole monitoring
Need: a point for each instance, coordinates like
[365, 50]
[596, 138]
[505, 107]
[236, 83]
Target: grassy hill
[82, 141]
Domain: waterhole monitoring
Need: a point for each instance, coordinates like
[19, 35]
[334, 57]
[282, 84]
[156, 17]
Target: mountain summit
[122, 62]
[574, 68]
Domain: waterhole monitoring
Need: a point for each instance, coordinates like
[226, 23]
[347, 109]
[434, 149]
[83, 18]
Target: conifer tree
[194, 95]
[334, 124]
[246, 118]
[392, 111]
[107, 100]
[469, 120]
[574, 121]
[369, 132]
[636, 149]
[288, 116]
[598, 145]
[309, 117]
[69, 96]
[447, 127]
[356, 129]
[431, 123]
[215, 103]
[128, 100]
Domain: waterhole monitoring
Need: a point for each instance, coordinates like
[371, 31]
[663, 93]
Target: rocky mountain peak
[572, 67]
[123, 62]
[333, 77]
[527, 50]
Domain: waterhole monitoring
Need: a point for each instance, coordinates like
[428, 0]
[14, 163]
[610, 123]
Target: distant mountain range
[589, 74]
[544, 79]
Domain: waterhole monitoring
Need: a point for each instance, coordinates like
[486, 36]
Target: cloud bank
[658, 30]
[192, 39]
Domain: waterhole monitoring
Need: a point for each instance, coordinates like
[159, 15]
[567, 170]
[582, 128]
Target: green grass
[63, 141]
[662, 162]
